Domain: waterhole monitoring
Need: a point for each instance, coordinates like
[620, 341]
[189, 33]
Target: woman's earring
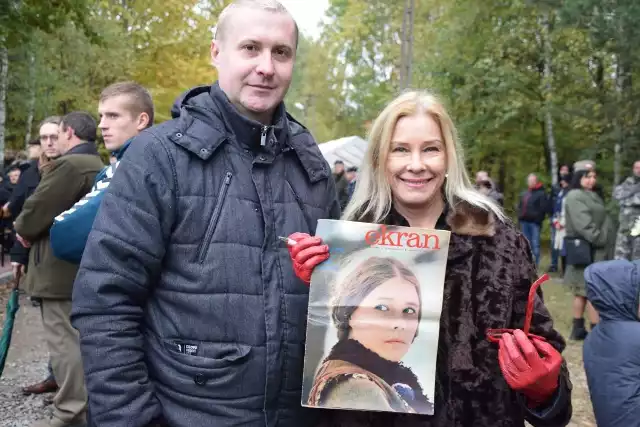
[446, 175]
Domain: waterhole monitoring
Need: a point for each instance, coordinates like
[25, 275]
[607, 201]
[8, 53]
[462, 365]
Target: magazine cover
[374, 318]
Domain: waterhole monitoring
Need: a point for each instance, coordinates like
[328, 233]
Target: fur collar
[460, 218]
[469, 220]
[391, 372]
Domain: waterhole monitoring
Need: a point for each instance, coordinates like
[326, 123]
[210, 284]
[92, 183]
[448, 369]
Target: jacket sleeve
[71, 228]
[625, 190]
[335, 210]
[59, 189]
[557, 412]
[580, 216]
[122, 259]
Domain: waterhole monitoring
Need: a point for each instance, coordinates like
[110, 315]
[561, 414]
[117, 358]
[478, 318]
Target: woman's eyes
[408, 310]
[405, 150]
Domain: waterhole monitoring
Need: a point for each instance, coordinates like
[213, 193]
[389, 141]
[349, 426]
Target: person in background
[557, 229]
[488, 187]
[532, 210]
[125, 110]
[611, 352]
[342, 184]
[589, 165]
[413, 175]
[586, 218]
[64, 182]
[188, 311]
[41, 150]
[628, 196]
[352, 179]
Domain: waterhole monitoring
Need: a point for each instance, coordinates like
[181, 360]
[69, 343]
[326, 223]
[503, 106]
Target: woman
[558, 231]
[376, 311]
[586, 218]
[413, 175]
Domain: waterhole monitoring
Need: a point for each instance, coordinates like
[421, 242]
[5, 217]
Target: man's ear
[215, 52]
[143, 121]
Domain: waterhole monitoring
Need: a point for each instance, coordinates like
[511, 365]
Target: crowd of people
[169, 299]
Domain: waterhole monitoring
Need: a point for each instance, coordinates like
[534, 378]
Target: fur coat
[489, 273]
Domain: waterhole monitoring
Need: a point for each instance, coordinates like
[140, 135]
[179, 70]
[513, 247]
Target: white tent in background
[349, 149]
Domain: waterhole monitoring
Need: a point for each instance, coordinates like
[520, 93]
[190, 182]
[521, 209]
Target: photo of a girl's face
[386, 320]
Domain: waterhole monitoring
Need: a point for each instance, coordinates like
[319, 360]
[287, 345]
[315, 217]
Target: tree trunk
[406, 47]
[4, 77]
[31, 104]
[548, 94]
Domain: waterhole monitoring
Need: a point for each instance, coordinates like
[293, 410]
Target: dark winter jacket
[612, 349]
[489, 274]
[534, 205]
[186, 301]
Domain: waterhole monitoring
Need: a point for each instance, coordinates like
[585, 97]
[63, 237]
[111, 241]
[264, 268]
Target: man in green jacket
[64, 182]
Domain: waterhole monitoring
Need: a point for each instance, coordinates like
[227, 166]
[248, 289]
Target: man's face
[254, 59]
[564, 170]
[636, 168]
[34, 151]
[14, 176]
[117, 123]
[64, 139]
[338, 168]
[49, 140]
[351, 176]
[532, 180]
[481, 177]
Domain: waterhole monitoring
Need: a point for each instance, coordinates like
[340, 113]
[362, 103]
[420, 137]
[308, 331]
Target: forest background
[531, 84]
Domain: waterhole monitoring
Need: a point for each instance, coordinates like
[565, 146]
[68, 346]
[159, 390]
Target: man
[29, 179]
[486, 186]
[125, 110]
[628, 196]
[63, 182]
[186, 302]
[352, 177]
[558, 192]
[532, 210]
[341, 183]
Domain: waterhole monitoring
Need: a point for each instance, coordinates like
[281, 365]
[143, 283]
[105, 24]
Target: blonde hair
[372, 198]
[273, 6]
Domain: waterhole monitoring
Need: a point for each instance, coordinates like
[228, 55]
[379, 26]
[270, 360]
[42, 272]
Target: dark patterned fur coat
[489, 273]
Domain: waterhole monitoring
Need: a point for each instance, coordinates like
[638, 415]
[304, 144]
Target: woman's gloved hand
[306, 254]
[530, 366]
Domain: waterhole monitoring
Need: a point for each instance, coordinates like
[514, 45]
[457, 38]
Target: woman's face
[387, 319]
[416, 165]
[588, 181]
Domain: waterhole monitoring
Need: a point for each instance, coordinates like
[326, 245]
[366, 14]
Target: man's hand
[23, 241]
[5, 211]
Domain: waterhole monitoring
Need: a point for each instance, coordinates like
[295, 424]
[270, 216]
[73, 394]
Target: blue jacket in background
[612, 349]
[71, 228]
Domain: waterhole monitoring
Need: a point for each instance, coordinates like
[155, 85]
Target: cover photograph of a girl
[375, 317]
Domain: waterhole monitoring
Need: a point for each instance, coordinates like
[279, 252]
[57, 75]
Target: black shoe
[578, 332]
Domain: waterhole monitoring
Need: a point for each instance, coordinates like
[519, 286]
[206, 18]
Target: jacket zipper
[263, 137]
[300, 205]
[222, 194]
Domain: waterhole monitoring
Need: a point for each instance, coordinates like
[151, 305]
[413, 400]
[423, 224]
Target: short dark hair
[83, 124]
[140, 98]
[352, 169]
[338, 162]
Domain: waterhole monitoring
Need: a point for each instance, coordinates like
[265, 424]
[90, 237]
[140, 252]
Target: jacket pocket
[300, 205]
[211, 228]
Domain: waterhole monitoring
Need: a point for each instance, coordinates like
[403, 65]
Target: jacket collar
[120, 151]
[207, 119]
[84, 148]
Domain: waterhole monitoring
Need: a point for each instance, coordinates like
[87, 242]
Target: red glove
[306, 254]
[525, 370]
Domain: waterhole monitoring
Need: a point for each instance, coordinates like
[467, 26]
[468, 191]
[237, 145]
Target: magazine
[374, 318]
